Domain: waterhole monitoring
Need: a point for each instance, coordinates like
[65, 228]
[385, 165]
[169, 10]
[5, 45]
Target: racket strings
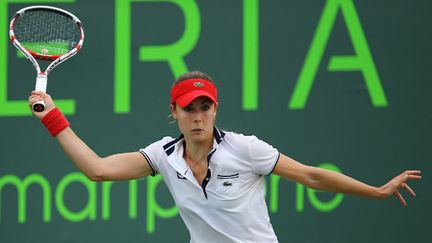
[47, 32]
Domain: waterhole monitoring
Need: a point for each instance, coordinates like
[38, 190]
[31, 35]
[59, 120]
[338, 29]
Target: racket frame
[42, 77]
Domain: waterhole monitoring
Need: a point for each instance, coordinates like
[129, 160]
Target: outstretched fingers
[414, 177]
[411, 191]
[410, 175]
[400, 197]
[407, 175]
[414, 174]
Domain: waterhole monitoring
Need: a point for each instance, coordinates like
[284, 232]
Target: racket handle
[41, 82]
[41, 85]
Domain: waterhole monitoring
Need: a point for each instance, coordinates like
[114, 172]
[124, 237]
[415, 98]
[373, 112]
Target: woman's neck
[197, 152]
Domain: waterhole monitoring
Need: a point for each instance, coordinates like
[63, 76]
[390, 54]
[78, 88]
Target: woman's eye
[188, 109]
[205, 107]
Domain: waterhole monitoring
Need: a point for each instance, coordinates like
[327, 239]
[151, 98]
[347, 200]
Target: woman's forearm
[82, 156]
[322, 179]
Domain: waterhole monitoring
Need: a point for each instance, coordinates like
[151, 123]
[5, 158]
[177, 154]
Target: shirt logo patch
[227, 183]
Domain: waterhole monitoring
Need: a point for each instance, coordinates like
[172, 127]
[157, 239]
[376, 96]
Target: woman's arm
[115, 167]
[322, 179]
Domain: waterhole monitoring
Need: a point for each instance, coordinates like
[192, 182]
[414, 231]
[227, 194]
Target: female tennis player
[215, 177]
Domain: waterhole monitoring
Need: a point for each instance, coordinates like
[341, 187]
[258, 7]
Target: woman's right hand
[37, 96]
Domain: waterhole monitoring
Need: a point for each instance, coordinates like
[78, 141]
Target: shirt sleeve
[153, 154]
[263, 156]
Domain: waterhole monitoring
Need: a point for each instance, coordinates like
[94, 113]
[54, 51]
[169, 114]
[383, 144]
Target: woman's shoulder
[239, 137]
[243, 141]
[161, 142]
[167, 140]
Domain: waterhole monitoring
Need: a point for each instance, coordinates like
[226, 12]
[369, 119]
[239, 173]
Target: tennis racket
[49, 34]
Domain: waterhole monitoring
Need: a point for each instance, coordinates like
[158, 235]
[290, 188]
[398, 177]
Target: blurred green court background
[341, 84]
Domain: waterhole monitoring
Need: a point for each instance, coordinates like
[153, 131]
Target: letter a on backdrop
[361, 61]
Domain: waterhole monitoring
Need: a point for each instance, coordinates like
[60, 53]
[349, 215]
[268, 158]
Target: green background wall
[257, 52]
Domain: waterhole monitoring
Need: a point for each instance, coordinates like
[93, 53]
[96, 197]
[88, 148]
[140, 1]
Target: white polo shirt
[230, 205]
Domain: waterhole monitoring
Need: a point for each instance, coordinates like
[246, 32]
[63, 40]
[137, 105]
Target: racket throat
[41, 82]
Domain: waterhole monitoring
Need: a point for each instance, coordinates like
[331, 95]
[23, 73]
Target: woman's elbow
[313, 177]
[95, 178]
[98, 173]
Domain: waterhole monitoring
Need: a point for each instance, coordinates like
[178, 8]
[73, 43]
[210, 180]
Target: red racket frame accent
[42, 77]
[38, 55]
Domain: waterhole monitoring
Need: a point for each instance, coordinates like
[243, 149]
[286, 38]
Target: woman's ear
[173, 111]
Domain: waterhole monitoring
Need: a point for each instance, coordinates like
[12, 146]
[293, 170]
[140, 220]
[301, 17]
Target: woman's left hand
[392, 187]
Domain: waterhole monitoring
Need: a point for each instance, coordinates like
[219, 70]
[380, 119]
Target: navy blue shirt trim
[169, 147]
[218, 135]
[149, 162]
[275, 163]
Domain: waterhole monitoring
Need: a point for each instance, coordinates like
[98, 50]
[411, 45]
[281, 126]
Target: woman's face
[196, 120]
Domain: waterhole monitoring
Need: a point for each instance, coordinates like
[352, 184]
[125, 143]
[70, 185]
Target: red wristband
[55, 121]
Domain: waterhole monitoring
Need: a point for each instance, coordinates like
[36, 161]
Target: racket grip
[41, 82]
[41, 85]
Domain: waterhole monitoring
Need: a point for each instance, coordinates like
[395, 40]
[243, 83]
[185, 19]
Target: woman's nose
[197, 117]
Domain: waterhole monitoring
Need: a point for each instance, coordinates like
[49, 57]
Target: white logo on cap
[198, 84]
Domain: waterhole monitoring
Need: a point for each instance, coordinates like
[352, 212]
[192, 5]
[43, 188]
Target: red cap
[186, 91]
